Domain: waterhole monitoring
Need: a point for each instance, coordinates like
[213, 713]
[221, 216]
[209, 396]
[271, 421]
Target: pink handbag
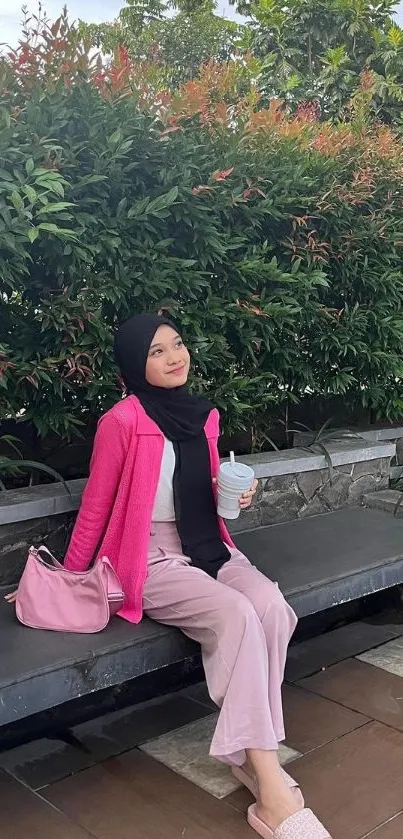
[51, 597]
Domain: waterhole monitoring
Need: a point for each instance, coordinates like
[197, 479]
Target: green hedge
[275, 242]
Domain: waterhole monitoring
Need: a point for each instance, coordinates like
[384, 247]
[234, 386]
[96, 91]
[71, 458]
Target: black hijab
[181, 417]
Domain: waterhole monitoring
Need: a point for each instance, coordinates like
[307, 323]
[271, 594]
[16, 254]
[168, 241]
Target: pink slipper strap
[302, 825]
[252, 786]
[246, 780]
[291, 783]
[256, 823]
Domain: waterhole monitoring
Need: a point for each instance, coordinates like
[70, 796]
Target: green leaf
[51, 185]
[163, 201]
[121, 207]
[7, 240]
[30, 193]
[115, 138]
[322, 449]
[41, 467]
[49, 227]
[58, 188]
[6, 116]
[58, 231]
[125, 147]
[33, 233]
[17, 200]
[10, 440]
[29, 166]
[55, 208]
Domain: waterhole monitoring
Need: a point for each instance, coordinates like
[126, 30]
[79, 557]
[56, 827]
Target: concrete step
[387, 500]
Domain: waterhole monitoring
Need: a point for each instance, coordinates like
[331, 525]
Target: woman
[150, 505]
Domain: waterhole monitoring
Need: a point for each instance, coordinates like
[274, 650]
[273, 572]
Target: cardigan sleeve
[212, 426]
[106, 467]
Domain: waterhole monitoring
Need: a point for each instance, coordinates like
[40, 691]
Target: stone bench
[319, 562]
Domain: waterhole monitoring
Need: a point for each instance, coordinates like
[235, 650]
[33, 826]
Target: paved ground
[144, 773]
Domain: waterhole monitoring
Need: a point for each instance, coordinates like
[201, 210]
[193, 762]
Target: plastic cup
[233, 479]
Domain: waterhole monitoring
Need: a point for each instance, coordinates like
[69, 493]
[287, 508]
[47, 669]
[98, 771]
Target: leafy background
[269, 228]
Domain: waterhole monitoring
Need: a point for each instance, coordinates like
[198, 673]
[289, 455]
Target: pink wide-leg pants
[243, 625]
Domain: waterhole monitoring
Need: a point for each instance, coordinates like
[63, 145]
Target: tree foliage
[275, 239]
[316, 51]
[176, 45]
[311, 53]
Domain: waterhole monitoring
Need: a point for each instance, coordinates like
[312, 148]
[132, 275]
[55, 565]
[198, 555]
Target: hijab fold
[181, 418]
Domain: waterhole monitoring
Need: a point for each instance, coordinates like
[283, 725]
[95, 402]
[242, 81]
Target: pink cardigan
[115, 514]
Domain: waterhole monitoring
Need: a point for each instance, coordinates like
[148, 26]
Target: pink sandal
[301, 825]
[251, 784]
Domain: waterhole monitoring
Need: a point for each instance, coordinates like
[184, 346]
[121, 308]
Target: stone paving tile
[311, 721]
[42, 761]
[186, 751]
[354, 784]
[311, 656]
[45, 761]
[364, 688]
[393, 829]
[135, 797]
[388, 657]
[24, 814]
[240, 799]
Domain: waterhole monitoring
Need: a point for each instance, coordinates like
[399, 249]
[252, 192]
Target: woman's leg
[278, 621]
[234, 651]
[235, 658]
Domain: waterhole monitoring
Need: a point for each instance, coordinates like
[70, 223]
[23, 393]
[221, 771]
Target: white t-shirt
[164, 509]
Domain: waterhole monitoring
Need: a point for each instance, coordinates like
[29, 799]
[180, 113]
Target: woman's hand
[12, 597]
[246, 499]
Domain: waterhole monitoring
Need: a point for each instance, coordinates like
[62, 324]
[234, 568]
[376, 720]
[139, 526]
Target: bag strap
[43, 549]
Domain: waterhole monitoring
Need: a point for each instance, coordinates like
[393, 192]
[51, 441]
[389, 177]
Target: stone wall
[286, 497]
[17, 537]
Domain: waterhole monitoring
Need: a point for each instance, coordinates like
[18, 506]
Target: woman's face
[168, 360]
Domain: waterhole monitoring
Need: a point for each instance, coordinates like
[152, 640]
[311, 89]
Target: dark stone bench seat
[319, 563]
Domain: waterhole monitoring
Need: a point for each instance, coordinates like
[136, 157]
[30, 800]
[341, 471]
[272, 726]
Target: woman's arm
[107, 461]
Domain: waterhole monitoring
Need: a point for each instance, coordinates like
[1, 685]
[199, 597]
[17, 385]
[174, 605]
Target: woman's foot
[276, 802]
[275, 808]
[245, 774]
